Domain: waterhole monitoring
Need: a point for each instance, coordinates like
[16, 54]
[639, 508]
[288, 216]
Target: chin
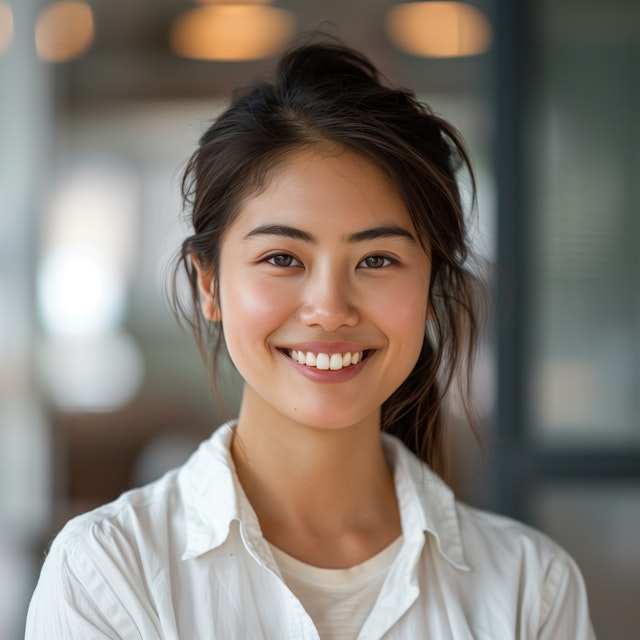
[335, 422]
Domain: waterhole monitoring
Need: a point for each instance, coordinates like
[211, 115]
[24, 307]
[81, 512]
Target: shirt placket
[296, 622]
[399, 591]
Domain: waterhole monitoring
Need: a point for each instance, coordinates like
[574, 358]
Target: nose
[329, 301]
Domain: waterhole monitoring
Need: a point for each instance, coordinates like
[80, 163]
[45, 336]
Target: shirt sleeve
[85, 591]
[62, 607]
[565, 608]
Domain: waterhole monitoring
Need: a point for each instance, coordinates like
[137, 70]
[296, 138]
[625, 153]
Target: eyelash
[386, 261]
[272, 260]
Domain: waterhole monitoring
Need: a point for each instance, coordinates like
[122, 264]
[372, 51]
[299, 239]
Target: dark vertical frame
[512, 67]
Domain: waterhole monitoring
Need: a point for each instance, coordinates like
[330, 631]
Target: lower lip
[328, 376]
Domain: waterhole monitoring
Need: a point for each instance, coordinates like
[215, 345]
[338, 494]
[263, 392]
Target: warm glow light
[231, 32]
[6, 26]
[439, 29]
[64, 31]
[227, 2]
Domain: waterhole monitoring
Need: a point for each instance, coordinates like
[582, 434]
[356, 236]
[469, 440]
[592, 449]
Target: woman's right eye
[283, 260]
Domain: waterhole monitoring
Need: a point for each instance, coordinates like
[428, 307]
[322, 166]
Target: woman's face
[323, 292]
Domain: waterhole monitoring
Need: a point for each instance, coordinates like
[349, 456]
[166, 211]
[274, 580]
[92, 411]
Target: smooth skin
[324, 259]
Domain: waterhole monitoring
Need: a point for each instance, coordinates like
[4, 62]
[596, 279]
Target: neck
[325, 496]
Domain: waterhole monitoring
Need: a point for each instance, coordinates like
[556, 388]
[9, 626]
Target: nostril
[329, 314]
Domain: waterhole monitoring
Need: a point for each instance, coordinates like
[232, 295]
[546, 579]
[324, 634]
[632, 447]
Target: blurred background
[101, 102]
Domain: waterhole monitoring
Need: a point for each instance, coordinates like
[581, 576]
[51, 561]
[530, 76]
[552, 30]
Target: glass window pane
[586, 263]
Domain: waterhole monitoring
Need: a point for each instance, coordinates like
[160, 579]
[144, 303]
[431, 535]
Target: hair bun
[323, 63]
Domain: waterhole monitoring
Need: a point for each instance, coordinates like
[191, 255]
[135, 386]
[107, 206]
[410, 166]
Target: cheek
[407, 302]
[406, 315]
[251, 309]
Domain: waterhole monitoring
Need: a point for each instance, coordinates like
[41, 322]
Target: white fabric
[184, 558]
[338, 600]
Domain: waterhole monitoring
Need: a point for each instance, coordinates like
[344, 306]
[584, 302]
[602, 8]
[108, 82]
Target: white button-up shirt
[184, 558]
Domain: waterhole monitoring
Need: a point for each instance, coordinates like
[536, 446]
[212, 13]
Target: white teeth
[326, 361]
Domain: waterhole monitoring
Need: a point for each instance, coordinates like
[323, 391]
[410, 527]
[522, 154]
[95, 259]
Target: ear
[206, 285]
[430, 315]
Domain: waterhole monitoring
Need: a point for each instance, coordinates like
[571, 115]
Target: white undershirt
[338, 600]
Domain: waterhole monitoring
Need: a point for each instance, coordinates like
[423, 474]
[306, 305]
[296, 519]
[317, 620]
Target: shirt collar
[210, 495]
[427, 505]
[213, 498]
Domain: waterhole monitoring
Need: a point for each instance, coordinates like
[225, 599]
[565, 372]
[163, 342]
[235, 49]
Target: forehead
[322, 187]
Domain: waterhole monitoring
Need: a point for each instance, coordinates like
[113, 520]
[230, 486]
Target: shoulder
[146, 528]
[100, 560]
[150, 525]
[114, 551]
[154, 514]
[99, 578]
[112, 572]
[135, 514]
[486, 532]
[505, 552]
[511, 544]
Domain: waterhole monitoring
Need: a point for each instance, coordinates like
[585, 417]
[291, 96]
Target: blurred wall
[100, 390]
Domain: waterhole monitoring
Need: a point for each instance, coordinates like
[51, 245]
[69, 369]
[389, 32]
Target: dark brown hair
[327, 93]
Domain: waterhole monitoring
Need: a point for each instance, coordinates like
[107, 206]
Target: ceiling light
[227, 2]
[439, 29]
[231, 32]
[6, 26]
[64, 31]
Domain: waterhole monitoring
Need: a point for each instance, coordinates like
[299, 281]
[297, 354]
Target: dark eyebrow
[388, 231]
[285, 231]
[282, 231]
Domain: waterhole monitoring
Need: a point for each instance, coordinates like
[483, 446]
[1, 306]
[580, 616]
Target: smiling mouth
[327, 361]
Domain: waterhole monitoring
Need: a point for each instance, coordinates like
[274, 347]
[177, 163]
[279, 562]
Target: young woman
[329, 254]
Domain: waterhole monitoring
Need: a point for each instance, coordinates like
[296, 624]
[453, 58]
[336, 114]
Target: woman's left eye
[375, 262]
